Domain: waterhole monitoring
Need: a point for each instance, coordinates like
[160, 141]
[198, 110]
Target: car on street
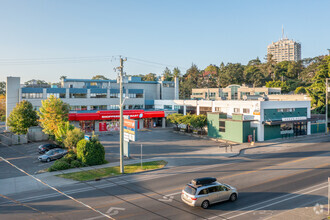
[206, 191]
[46, 147]
[53, 154]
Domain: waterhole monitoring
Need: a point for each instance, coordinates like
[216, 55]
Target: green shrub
[90, 152]
[72, 138]
[71, 156]
[59, 165]
[3, 118]
[76, 163]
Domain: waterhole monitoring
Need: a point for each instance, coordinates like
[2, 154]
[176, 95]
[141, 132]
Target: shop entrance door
[300, 128]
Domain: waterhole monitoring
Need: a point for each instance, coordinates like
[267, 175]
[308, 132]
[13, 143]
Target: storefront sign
[130, 130]
[256, 113]
[294, 118]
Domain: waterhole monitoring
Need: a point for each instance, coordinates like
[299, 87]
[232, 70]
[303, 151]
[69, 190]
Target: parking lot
[24, 156]
[156, 143]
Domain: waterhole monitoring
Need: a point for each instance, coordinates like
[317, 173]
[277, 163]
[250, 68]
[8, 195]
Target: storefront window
[87, 126]
[287, 128]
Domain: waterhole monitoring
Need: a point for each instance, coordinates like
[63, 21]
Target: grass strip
[113, 171]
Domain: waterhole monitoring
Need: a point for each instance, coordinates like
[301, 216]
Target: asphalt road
[158, 142]
[268, 184]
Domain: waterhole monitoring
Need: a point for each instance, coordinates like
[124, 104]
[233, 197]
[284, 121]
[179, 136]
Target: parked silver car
[53, 154]
[206, 191]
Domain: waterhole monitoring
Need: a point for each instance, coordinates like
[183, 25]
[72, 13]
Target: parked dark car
[53, 154]
[46, 147]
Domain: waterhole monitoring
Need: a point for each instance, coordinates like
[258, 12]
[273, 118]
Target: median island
[95, 174]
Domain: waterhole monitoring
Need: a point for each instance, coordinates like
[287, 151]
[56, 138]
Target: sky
[46, 39]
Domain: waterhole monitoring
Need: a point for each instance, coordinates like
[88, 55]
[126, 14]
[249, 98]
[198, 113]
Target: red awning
[114, 114]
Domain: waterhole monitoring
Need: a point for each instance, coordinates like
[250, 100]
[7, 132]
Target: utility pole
[121, 140]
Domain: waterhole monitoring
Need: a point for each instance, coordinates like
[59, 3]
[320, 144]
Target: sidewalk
[26, 183]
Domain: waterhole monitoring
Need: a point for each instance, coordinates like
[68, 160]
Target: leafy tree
[254, 76]
[72, 138]
[189, 81]
[310, 67]
[176, 72]
[175, 119]
[100, 77]
[61, 132]
[300, 90]
[149, 77]
[210, 77]
[63, 77]
[53, 113]
[269, 68]
[37, 83]
[2, 105]
[90, 152]
[281, 70]
[186, 120]
[283, 85]
[22, 117]
[199, 121]
[167, 75]
[232, 73]
[2, 88]
[317, 90]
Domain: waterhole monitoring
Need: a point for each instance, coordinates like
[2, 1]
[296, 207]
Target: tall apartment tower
[285, 50]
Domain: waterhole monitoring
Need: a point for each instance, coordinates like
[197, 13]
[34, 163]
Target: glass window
[114, 95]
[217, 109]
[167, 106]
[190, 190]
[213, 189]
[236, 110]
[203, 192]
[78, 95]
[98, 95]
[222, 126]
[32, 95]
[246, 110]
[139, 95]
[114, 107]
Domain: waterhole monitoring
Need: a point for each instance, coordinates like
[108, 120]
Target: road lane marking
[274, 203]
[149, 177]
[247, 207]
[111, 211]
[169, 197]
